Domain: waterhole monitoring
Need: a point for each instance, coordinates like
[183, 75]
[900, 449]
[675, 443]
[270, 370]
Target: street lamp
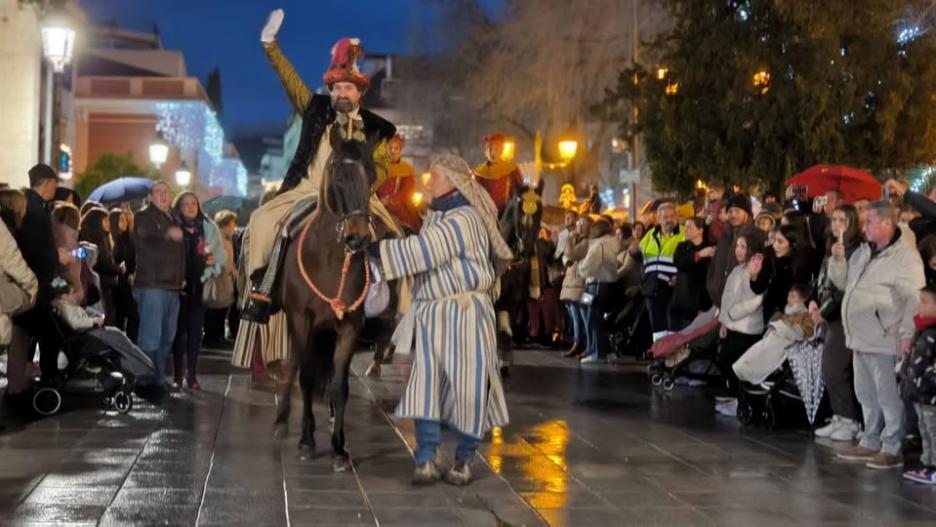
[58, 44]
[158, 150]
[58, 39]
[661, 72]
[183, 175]
[567, 150]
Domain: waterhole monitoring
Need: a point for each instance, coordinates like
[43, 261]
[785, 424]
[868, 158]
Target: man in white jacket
[882, 280]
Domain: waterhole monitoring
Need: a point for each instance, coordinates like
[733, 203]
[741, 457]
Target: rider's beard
[343, 105]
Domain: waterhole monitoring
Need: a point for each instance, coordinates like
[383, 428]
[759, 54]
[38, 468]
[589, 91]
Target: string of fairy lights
[193, 125]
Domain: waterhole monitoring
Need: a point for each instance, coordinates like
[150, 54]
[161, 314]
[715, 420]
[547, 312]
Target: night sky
[226, 33]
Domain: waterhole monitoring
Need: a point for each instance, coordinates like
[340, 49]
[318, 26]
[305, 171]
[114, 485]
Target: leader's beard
[343, 105]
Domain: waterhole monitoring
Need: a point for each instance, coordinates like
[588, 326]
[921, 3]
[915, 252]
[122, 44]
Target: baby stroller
[100, 361]
[629, 327]
[690, 355]
[791, 397]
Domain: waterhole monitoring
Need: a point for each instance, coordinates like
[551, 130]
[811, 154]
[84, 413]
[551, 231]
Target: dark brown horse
[323, 283]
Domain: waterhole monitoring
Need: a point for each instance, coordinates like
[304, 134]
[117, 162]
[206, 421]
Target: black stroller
[629, 327]
[794, 395]
[100, 361]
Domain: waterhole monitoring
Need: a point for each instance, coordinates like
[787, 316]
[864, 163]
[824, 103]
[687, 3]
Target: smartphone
[885, 193]
[80, 253]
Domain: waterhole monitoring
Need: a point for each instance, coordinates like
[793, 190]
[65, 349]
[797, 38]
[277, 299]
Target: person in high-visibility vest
[657, 249]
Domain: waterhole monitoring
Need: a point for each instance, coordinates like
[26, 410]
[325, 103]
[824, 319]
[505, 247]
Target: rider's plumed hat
[343, 68]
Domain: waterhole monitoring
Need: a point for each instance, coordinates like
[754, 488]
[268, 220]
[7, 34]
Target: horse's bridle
[344, 217]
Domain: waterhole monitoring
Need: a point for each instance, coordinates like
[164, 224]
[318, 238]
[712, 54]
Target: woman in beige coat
[573, 285]
[18, 284]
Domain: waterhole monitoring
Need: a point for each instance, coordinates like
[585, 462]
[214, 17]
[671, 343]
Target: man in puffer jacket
[881, 280]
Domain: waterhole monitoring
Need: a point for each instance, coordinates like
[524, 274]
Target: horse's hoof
[341, 463]
[373, 370]
[306, 452]
[280, 431]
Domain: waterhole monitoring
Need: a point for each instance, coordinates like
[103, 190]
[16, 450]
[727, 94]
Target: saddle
[294, 219]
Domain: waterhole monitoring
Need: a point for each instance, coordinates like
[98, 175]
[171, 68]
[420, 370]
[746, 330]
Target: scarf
[922, 323]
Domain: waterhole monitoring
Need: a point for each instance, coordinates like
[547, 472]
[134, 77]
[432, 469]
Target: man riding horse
[319, 114]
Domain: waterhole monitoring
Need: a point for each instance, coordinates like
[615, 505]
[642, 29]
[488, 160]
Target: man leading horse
[320, 114]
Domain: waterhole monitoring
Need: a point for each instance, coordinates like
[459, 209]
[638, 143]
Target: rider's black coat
[315, 119]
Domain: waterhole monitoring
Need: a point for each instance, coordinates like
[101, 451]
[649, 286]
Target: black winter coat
[689, 294]
[37, 244]
[918, 374]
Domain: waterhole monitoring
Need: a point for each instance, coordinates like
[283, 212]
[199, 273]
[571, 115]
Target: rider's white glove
[272, 26]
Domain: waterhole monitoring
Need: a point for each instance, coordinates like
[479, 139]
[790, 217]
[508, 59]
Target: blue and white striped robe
[455, 377]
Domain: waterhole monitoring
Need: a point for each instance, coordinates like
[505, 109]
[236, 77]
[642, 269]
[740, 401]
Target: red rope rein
[336, 303]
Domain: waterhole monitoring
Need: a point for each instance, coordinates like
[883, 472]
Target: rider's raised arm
[296, 89]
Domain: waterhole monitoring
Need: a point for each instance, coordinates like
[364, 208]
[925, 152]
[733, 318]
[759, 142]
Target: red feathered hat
[343, 68]
[496, 138]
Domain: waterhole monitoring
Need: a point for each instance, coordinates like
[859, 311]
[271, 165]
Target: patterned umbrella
[805, 358]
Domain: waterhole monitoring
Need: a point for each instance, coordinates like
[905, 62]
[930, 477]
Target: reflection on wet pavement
[587, 447]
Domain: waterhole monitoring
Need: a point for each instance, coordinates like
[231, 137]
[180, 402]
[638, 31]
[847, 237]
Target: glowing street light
[183, 175]
[672, 88]
[158, 150]
[567, 149]
[662, 72]
[58, 39]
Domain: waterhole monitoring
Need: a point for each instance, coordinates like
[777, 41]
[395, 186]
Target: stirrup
[258, 309]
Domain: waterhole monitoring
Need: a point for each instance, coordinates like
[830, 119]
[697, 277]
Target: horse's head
[346, 190]
[521, 219]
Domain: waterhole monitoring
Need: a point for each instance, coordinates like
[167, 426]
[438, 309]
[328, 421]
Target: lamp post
[58, 45]
[567, 150]
[158, 150]
[183, 175]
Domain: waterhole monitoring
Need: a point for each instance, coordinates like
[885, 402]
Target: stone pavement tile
[224, 508]
[883, 507]
[330, 516]
[415, 516]
[644, 498]
[431, 498]
[53, 512]
[159, 480]
[325, 499]
[65, 495]
[159, 498]
[560, 517]
[99, 477]
[333, 482]
[574, 498]
[148, 516]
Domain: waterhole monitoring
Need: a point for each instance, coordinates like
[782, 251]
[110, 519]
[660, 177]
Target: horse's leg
[307, 385]
[344, 351]
[284, 386]
[383, 349]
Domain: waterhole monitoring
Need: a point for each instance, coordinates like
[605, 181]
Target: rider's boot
[259, 304]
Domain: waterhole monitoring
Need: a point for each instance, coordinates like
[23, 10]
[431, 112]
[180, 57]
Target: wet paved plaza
[588, 447]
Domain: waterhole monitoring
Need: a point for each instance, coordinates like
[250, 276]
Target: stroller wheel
[123, 401]
[745, 412]
[47, 401]
[769, 417]
[669, 384]
[656, 379]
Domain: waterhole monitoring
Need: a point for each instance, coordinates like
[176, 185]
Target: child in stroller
[100, 359]
[689, 354]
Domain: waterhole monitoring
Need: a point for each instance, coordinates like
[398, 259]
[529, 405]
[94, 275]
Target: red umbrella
[853, 183]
